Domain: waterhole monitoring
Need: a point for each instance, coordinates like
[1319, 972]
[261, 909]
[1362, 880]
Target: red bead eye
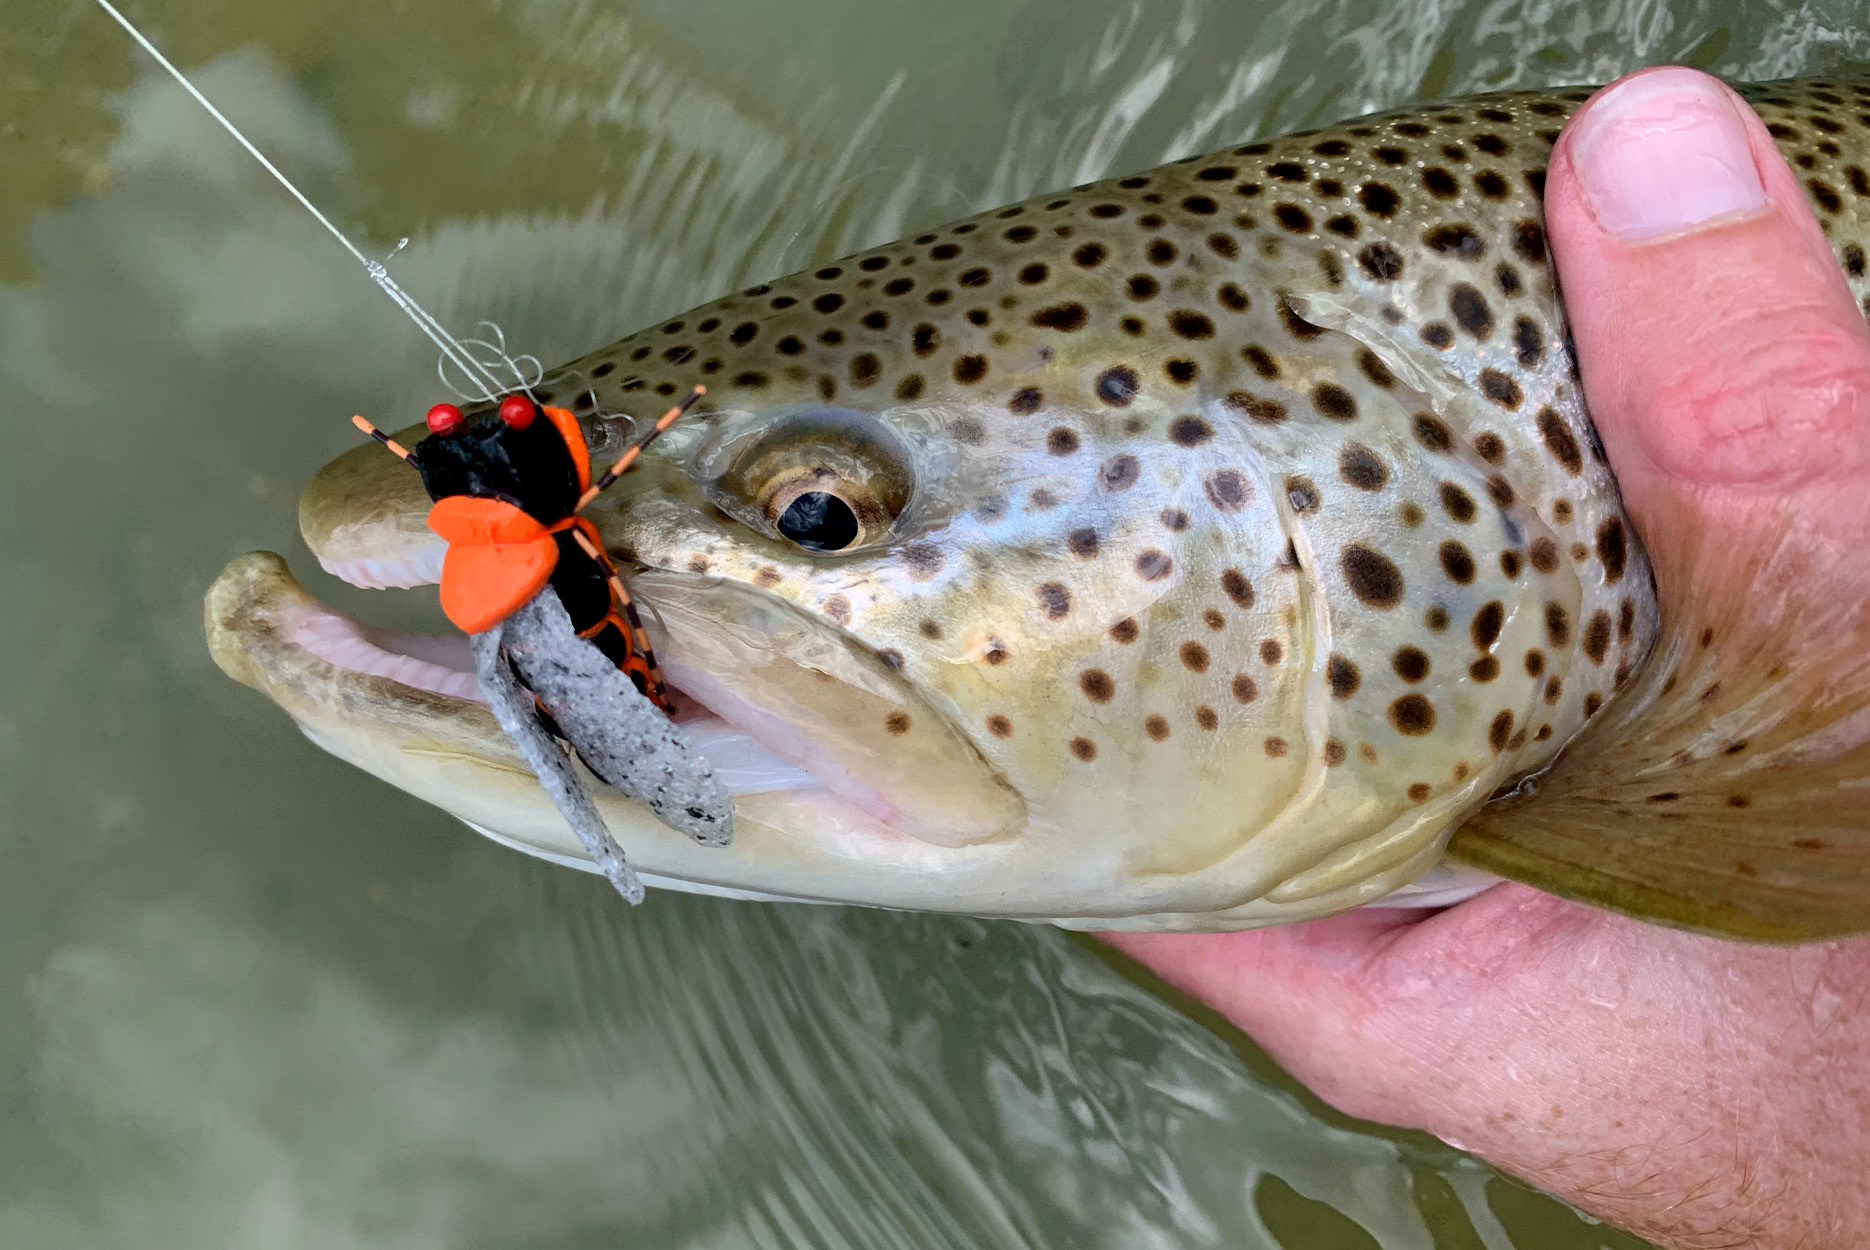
[517, 411]
[445, 419]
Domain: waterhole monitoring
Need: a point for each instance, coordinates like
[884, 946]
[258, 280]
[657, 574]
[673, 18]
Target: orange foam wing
[498, 558]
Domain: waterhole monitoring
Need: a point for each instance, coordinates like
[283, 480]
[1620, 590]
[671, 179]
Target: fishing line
[478, 372]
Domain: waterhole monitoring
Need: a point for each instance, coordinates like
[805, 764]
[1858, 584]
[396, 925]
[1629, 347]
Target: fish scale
[1248, 523]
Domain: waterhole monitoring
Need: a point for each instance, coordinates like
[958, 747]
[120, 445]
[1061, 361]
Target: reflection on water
[250, 997]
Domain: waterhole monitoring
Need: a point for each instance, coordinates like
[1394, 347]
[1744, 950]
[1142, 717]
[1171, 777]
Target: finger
[1725, 358]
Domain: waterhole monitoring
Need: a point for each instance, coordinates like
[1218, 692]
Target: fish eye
[817, 516]
[825, 481]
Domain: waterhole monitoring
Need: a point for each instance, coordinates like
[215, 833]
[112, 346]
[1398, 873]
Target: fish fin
[1726, 788]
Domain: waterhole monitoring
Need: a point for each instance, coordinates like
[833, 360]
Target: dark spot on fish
[1362, 468]
[1302, 494]
[1500, 731]
[1529, 241]
[1117, 386]
[1054, 600]
[1062, 441]
[1226, 489]
[1342, 676]
[1500, 389]
[1126, 630]
[1262, 361]
[1026, 401]
[1470, 309]
[1374, 369]
[1379, 198]
[1454, 240]
[1557, 624]
[1371, 576]
[1293, 218]
[1235, 585]
[970, 369]
[1457, 562]
[1438, 336]
[1334, 402]
[1457, 503]
[1381, 261]
[1431, 432]
[1066, 318]
[1296, 325]
[925, 339]
[1191, 325]
[1119, 473]
[1612, 549]
[1412, 715]
[1190, 431]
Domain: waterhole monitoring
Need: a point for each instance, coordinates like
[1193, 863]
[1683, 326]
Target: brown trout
[1196, 549]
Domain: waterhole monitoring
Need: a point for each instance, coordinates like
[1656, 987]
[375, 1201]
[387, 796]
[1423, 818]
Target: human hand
[1700, 1093]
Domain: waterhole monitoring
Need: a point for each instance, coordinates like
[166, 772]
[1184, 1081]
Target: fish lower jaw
[417, 665]
[442, 664]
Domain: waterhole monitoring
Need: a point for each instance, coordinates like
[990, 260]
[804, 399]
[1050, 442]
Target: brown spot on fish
[1362, 468]
[1126, 630]
[1153, 565]
[1342, 676]
[1117, 386]
[1084, 749]
[1334, 402]
[1612, 549]
[1227, 489]
[1054, 600]
[1410, 663]
[1372, 576]
[1412, 715]
[1119, 473]
[1097, 685]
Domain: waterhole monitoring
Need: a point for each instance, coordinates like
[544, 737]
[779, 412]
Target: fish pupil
[819, 521]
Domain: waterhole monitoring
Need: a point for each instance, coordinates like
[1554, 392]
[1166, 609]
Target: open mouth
[443, 664]
[766, 695]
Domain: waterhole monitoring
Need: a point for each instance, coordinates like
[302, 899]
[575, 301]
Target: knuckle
[1775, 402]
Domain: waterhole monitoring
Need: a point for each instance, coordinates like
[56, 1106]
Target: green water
[252, 998]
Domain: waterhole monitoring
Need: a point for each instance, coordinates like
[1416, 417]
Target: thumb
[1726, 360]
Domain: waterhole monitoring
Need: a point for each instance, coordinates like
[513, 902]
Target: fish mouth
[827, 805]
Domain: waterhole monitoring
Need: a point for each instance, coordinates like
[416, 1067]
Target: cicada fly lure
[559, 648]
